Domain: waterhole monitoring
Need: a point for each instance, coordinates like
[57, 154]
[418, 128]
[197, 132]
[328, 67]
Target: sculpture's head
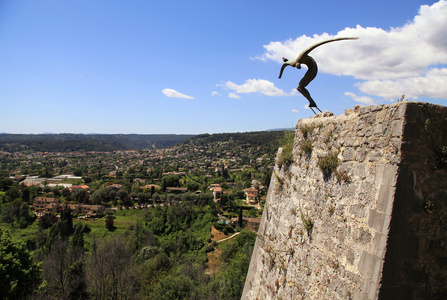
[286, 63]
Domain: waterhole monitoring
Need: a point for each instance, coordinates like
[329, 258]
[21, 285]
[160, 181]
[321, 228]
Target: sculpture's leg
[306, 94]
[313, 110]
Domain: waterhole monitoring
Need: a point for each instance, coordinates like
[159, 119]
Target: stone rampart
[360, 212]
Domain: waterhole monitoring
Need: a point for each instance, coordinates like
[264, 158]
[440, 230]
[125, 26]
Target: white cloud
[389, 62]
[174, 94]
[362, 99]
[262, 86]
[234, 96]
[295, 110]
[214, 93]
[432, 84]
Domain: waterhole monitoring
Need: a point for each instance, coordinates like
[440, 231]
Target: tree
[66, 220]
[266, 177]
[46, 221]
[110, 272]
[66, 193]
[24, 216]
[99, 196]
[8, 213]
[173, 287]
[109, 223]
[78, 236]
[122, 192]
[12, 194]
[237, 256]
[18, 272]
[64, 271]
[192, 186]
[5, 184]
[127, 201]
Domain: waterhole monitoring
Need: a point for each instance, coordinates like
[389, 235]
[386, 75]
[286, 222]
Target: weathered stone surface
[375, 228]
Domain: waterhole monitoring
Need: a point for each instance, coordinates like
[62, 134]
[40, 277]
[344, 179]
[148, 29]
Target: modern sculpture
[312, 70]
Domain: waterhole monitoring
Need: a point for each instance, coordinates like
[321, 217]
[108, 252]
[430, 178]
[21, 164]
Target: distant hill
[65, 142]
[88, 142]
[269, 140]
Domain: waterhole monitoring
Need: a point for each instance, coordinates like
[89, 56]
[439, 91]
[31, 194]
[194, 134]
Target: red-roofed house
[251, 195]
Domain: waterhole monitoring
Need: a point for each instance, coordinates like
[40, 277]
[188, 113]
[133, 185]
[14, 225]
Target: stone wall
[373, 226]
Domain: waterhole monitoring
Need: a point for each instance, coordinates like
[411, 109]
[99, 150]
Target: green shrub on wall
[286, 142]
[329, 163]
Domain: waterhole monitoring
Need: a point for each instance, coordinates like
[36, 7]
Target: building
[44, 206]
[150, 186]
[78, 188]
[217, 192]
[251, 196]
[249, 223]
[176, 190]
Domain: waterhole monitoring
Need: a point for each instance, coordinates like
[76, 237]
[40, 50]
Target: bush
[286, 142]
[329, 163]
[209, 248]
[306, 129]
[306, 146]
[307, 222]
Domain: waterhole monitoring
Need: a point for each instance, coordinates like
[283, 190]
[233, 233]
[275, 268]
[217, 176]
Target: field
[123, 219]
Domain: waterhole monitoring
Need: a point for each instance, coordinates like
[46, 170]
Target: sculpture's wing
[305, 52]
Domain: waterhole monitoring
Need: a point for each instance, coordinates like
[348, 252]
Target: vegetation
[306, 146]
[328, 163]
[286, 142]
[342, 177]
[443, 157]
[87, 142]
[157, 253]
[307, 222]
[331, 210]
[306, 129]
[18, 271]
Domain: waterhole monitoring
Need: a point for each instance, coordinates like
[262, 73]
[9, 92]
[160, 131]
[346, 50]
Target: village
[234, 175]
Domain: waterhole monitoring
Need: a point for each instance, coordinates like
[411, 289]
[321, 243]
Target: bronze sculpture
[312, 70]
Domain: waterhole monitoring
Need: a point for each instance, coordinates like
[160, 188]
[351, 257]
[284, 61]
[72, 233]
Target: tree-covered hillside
[87, 142]
[66, 142]
[267, 140]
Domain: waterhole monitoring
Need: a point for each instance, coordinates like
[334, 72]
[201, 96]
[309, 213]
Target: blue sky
[191, 67]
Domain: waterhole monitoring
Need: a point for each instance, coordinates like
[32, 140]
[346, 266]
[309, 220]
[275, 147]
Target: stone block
[364, 236]
[400, 111]
[386, 174]
[397, 128]
[370, 290]
[379, 245]
[350, 256]
[364, 266]
[348, 154]
[360, 154]
[379, 221]
[377, 266]
[370, 266]
[358, 210]
[385, 199]
[375, 155]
